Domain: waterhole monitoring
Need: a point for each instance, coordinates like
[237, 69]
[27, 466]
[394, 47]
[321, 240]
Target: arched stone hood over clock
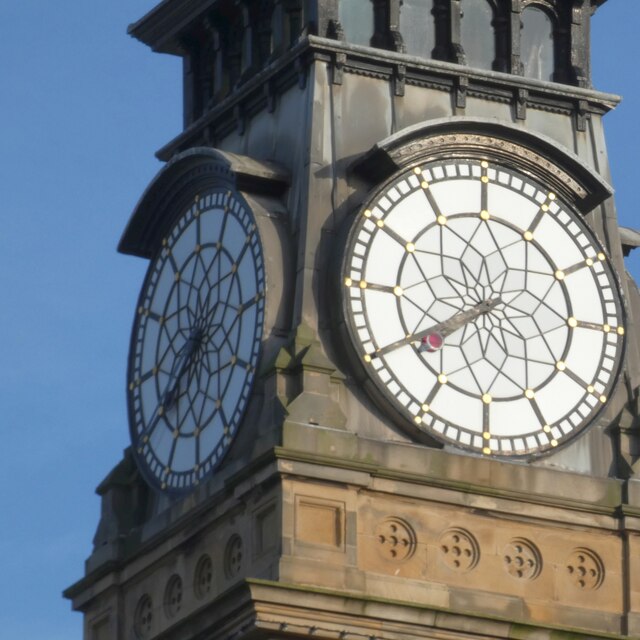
[457, 136]
[184, 174]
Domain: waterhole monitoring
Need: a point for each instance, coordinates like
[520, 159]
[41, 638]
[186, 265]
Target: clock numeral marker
[606, 328]
[579, 265]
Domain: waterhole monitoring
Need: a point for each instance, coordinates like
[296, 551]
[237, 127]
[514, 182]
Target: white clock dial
[483, 307]
[196, 341]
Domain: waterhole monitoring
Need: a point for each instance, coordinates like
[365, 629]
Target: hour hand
[180, 365]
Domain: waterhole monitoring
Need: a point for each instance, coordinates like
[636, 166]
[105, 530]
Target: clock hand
[433, 337]
[180, 365]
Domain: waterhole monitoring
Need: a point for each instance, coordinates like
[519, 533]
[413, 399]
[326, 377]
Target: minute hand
[458, 320]
[447, 327]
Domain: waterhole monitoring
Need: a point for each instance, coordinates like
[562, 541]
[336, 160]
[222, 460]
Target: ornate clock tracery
[482, 307]
[196, 341]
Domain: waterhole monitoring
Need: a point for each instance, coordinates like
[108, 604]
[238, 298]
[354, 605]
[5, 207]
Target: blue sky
[83, 108]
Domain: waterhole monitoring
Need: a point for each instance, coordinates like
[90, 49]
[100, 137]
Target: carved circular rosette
[203, 578]
[585, 569]
[522, 559]
[173, 596]
[459, 550]
[396, 539]
[233, 556]
[143, 617]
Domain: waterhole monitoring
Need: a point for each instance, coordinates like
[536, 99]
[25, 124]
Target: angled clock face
[196, 341]
[482, 307]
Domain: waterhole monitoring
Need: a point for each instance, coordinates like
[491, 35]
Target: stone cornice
[291, 68]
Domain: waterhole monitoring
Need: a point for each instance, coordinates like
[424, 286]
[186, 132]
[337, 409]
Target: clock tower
[384, 366]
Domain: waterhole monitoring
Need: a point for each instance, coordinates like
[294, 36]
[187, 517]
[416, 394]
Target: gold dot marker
[398, 291]
[601, 257]
[175, 434]
[529, 393]
[484, 164]
[348, 282]
[234, 267]
[145, 439]
[560, 365]
[485, 179]
[552, 196]
[589, 262]
[367, 213]
[572, 322]
[363, 284]
[196, 433]
[590, 388]
[620, 331]
[606, 328]
[559, 274]
[424, 184]
[484, 215]
[546, 428]
[442, 379]
[418, 420]
[603, 399]
[234, 359]
[425, 408]
[545, 207]
[486, 398]
[140, 310]
[167, 470]
[160, 411]
[486, 451]
[528, 236]
[154, 371]
[177, 276]
[165, 242]
[554, 443]
[131, 386]
[198, 248]
[367, 357]
[410, 247]
[486, 435]
[417, 170]
[442, 220]
[380, 223]
[218, 403]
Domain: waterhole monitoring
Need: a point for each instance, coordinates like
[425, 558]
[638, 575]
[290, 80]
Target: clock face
[196, 341]
[482, 307]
